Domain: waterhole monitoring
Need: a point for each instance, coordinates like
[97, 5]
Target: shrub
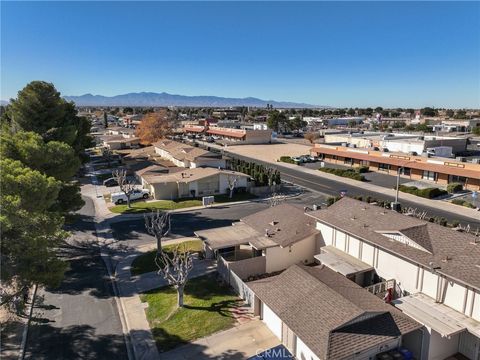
[463, 203]
[332, 200]
[287, 159]
[349, 173]
[428, 193]
[454, 188]
[363, 169]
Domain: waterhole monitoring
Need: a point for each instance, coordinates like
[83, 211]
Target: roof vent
[447, 258]
[365, 225]
[273, 223]
[353, 217]
[267, 234]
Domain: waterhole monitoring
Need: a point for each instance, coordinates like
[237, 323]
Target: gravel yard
[270, 152]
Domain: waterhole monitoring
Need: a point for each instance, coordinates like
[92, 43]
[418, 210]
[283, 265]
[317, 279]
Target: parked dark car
[110, 182]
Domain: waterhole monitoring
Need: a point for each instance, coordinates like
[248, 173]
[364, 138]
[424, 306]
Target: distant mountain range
[3, 102]
[165, 99]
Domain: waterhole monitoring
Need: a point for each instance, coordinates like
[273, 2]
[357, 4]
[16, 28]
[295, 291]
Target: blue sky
[340, 54]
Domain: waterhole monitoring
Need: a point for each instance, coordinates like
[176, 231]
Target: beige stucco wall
[164, 191]
[281, 258]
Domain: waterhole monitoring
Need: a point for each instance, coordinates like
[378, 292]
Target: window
[364, 163]
[348, 161]
[429, 175]
[405, 171]
[383, 167]
[457, 179]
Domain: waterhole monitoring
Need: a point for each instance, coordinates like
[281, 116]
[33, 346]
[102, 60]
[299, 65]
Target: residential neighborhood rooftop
[448, 252]
[182, 151]
[332, 315]
[238, 234]
[183, 175]
[285, 224]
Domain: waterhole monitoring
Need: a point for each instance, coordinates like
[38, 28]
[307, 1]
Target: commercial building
[460, 124]
[231, 135]
[437, 170]
[406, 143]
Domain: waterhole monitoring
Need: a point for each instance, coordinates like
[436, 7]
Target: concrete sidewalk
[129, 288]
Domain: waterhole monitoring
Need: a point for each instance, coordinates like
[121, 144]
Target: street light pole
[398, 183]
[396, 204]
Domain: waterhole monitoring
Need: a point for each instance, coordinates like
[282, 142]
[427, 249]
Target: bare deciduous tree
[232, 181]
[126, 186]
[175, 268]
[158, 224]
[107, 154]
[276, 199]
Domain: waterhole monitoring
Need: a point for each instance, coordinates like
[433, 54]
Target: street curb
[118, 301]
[472, 214]
[23, 344]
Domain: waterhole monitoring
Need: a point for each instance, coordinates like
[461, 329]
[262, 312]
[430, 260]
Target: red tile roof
[236, 133]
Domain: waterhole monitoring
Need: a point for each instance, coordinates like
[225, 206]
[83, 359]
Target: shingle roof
[182, 151]
[181, 175]
[368, 222]
[332, 315]
[286, 224]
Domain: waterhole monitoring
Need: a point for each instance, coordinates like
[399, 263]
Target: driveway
[240, 342]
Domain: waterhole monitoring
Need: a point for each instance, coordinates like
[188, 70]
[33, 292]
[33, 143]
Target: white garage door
[272, 321]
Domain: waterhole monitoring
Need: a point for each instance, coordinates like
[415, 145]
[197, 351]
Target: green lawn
[236, 197]
[146, 262]
[207, 310]
[142, 206]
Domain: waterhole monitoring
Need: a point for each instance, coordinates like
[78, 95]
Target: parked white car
[120, 198]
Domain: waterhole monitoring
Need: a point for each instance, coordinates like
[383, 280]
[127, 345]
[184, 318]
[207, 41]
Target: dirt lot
[270, 152]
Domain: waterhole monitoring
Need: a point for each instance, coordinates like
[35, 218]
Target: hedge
[349, 173]
[428, 193]
[463, 203]
[287, 159]
[454, 188]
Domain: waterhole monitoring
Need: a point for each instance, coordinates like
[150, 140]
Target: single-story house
[118, 142]
[184, 183]
[278, 236]
[187, 156]
[137, 160]
[319, 314]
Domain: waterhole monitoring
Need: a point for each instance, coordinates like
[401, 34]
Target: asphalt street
[132, 232]
[333, 188]
[78, 320]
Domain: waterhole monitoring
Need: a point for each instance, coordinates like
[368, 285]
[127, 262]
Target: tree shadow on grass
[223, 308]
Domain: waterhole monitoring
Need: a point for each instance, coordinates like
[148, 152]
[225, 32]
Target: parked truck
[120, 197]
